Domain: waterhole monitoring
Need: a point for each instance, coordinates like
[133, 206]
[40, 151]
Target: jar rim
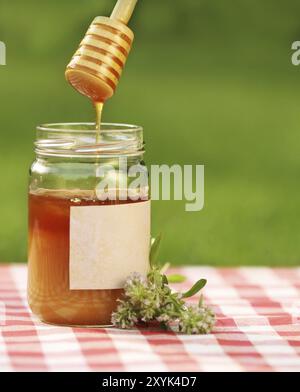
[78, 127]
[84, 140]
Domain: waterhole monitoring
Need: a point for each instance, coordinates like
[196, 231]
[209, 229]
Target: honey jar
[89, 221]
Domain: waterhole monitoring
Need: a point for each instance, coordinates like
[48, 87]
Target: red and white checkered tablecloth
[258, 329]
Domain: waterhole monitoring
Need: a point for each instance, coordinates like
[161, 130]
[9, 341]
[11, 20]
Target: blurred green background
[211, 82]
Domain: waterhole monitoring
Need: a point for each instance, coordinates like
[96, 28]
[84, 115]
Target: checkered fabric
[258, 329]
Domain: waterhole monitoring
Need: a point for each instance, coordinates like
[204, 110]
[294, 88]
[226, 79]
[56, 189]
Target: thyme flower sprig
[150, 299]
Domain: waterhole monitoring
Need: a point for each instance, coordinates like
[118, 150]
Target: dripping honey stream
[99, 110]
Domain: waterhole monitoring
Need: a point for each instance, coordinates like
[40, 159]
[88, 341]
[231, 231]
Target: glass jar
[89, 221]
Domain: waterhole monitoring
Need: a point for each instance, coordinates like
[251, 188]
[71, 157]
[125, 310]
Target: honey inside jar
[49, 293]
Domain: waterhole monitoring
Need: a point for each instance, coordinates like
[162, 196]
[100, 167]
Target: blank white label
[108, 243]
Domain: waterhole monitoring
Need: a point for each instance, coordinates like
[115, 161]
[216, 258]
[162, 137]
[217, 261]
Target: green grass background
[211, 82]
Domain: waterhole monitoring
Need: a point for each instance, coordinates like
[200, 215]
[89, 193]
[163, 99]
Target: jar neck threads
[79, 140]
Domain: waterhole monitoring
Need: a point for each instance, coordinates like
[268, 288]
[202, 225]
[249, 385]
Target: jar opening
[83, 140]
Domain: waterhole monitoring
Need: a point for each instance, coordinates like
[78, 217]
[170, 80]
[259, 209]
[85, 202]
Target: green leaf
[155, 245]
[165, 279]
[195, 289]
[176, 278]
[164, 326]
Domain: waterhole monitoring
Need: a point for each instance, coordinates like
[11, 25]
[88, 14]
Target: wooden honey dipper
[96, 67]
